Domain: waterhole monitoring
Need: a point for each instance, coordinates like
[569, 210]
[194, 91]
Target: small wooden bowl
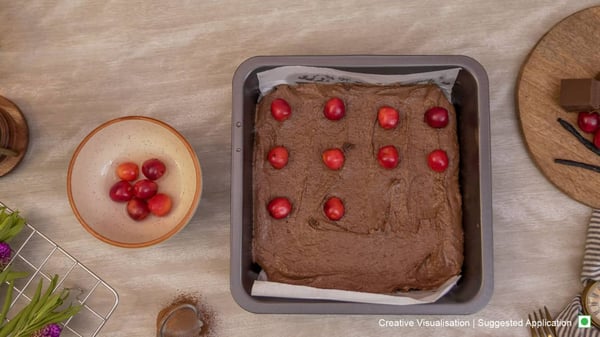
[92, 173]
[14, 135]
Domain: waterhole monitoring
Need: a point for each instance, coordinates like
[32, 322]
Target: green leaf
[7, 300]
[17, 227]
[11, 225]
[5, 227]
[9, 327]
[13, 275]
[3, 213]
[45, 299]
[4, 275]
[61, 316]
[10, 276]
[26, 312]
[40, 312]
[54, 301]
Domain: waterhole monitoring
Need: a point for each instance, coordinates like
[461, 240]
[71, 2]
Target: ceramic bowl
[92, 173]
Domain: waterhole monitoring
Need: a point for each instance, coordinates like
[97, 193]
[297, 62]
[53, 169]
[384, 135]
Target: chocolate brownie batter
[402, 228]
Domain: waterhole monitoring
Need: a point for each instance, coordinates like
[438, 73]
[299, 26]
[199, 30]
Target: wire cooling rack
[41, 258]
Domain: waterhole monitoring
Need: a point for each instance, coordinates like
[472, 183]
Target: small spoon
[181, 321]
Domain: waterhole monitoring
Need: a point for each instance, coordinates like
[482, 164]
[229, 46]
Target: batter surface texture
[402, 228]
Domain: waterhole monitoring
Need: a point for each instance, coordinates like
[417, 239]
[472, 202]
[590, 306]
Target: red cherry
[388, 157]
[160, 204]
[153, 168]
[334, 109]
[597, 139]
[333, 158]
[128, 171]
[280, 109]
[334, 208]
[388, 117]
[121, 191]
[145, 188]
[279, 207]
[278, 157]
[438, 160]
[436, 117]
[137, 209]
[588, 121]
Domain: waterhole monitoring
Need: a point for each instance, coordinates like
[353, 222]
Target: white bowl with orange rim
[92, 172]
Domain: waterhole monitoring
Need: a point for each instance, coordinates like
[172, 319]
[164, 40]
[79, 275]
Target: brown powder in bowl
[180, 318]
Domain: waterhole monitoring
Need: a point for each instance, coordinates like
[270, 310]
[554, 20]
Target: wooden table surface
[71, 65]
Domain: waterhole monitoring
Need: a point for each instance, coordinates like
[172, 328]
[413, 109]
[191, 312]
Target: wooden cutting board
[571, 49]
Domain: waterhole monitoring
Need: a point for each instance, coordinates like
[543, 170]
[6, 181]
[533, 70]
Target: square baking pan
[470, 97]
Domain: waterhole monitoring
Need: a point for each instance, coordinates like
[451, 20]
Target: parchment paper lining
[299, 74]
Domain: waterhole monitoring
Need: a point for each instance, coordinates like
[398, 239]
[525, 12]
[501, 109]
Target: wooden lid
[14, 135]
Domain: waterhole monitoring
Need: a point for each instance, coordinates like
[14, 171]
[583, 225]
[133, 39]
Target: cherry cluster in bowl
[589, 122]
[388, 158]
[142, 196]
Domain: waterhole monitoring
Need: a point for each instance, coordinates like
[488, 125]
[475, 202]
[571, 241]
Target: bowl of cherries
[141, 196]
[134, 182]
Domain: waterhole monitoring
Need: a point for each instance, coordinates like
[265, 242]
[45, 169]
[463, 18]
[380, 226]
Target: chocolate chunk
[581, 94]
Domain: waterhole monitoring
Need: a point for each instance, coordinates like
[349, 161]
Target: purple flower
[50, 330]
[5, 254]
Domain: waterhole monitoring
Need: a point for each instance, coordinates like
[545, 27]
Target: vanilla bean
[578, 164]
[579, 137]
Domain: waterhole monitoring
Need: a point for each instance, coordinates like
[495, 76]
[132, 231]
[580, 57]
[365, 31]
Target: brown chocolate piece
[402, 227]
[580, 94]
